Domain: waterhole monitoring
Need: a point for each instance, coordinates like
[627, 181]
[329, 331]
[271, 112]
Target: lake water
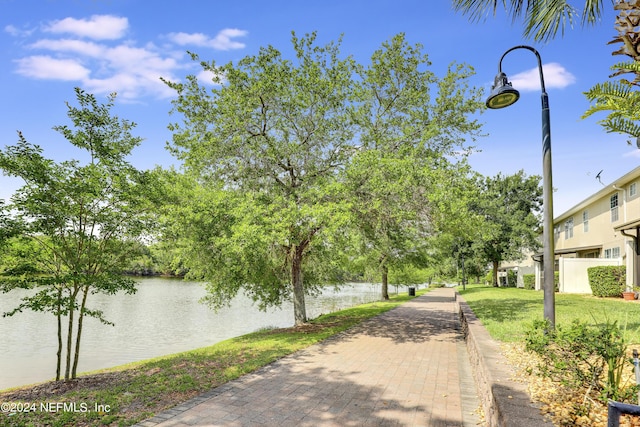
[163, 317]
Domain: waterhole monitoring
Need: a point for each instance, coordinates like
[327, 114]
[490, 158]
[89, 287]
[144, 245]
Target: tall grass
[508, 312]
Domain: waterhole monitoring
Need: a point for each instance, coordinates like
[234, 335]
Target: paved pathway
[406, 367]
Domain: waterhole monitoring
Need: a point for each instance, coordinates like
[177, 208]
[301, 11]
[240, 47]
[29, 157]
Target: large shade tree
[81, 219]
[296, 152]
[510, 206]
[410, 123]
[274, 131]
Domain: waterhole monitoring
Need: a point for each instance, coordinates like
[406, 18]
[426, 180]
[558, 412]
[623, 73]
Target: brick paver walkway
[406, 367]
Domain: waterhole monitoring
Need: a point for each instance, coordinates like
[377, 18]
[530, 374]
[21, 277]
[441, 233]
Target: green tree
[267, 142]
[9, 228]
[509, 205]
[409, 120]
[83, 218]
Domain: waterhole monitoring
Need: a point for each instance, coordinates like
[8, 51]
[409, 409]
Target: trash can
[412, 292]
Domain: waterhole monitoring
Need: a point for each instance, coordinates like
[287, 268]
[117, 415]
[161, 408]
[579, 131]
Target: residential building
[603, 229]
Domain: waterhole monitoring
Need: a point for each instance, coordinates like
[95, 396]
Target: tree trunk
[385, 281]
[76, 354]
[59, 318]
[72, 302]
[299, 308]
[495, 273]
[69, 339]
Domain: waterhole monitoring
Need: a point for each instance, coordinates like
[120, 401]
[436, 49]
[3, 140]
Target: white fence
[573, 276]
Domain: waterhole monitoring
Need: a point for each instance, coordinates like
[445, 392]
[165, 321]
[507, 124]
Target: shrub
[489, 278]
[512, 279]
[587, 359]
[529, 281]
[607, 281]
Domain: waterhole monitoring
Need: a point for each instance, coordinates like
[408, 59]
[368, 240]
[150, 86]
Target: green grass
[508, 312]
[140, 390]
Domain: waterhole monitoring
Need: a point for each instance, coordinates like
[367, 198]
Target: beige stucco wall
[600, 227]
[574, 277]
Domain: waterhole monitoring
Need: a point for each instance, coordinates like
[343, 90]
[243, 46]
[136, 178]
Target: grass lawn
[508, 312]
[134, 392]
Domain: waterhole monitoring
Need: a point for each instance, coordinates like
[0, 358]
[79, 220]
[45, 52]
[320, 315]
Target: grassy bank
[131, 393]
[508, 312]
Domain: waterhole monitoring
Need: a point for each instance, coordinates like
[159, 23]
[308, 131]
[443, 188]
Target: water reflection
[163, 317]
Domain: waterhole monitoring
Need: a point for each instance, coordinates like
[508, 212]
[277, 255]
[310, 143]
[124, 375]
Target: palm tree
[621, 97]
[542, 18]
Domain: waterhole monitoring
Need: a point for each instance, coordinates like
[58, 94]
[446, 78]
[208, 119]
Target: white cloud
[182, 39]
[105, 64]
[11, 30]
[206, 78]
[130, 86]
[48, 68]
[98, 27]
[555, 76]
[15, 31]
[222, 41]
[71, 46]
[635, 152]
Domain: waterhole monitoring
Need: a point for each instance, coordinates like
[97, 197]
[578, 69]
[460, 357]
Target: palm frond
[592, 12]
[629, 67]
[620, 100]
[621, 125]
[542, 18]
[547, 17]
[609, 90]
[477, 10]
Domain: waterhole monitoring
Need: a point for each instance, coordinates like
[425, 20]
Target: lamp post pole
[503, 95]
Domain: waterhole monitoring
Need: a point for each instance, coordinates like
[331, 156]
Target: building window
[556, 232]
[614, 207]
[585, 221]
[612, 253]
[633, 190]
[568, 228]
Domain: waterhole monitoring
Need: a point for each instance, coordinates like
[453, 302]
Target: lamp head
[502, 94]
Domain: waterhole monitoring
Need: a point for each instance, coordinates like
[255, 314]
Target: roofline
[623, 180]
[569, 250]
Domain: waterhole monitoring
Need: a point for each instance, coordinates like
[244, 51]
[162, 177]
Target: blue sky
[48, 47]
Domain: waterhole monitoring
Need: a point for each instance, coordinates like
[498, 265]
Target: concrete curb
[506, 403]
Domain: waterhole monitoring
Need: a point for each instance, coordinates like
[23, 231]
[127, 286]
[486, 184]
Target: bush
[512, 279]
[607, 281]
[529, 281]
[587, 359]
[489, 278]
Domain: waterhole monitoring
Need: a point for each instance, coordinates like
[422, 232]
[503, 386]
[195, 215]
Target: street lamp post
[503, 95]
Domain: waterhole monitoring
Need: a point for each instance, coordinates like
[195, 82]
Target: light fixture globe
[502, 93]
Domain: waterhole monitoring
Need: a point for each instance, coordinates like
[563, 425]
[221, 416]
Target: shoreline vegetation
[131, 393]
